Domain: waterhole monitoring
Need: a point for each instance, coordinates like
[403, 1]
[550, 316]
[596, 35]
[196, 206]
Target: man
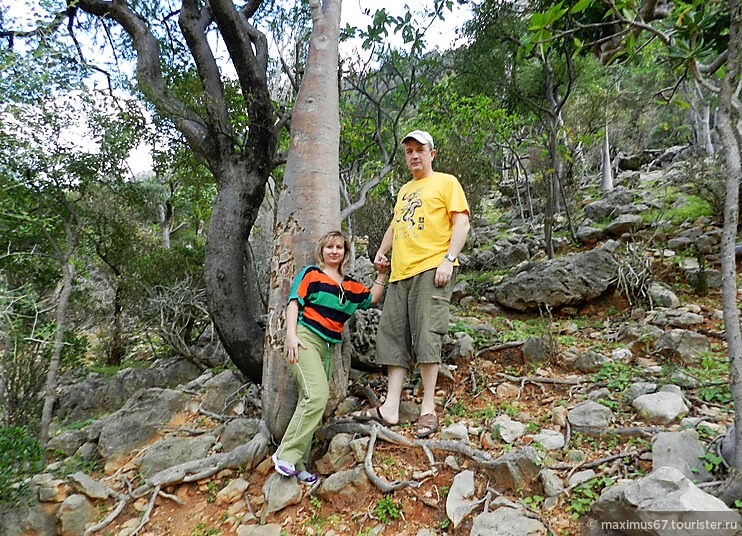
[427, 232]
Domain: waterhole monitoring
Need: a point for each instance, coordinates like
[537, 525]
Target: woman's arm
[292, 340]
[377, 287]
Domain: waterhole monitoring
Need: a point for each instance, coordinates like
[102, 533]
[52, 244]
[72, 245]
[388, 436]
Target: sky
[442, 34]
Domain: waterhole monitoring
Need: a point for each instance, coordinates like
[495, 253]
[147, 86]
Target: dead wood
[540, 379]
[498, 347]
[244, 456]
[597, 431]
[368, 465]
[594, 463]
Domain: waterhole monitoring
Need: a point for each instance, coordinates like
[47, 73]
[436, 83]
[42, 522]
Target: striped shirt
[323, 305]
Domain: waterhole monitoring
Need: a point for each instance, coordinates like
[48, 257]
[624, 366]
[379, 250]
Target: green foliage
[467, 150]
[687, 208]
[712, 463]
[583, 496]
[616, 375]
[533, 502]
[26, 337]
[517, 330]
[20, 457]
[74, 464]
[708, 184]
[211, 491]
[457, 409]
[718, 394]
[480, 338]
[202, 530]
[388, 510]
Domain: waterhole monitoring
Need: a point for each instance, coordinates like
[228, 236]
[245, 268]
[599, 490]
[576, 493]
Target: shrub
[20, 457]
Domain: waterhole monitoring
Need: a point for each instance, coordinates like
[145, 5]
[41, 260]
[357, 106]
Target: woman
[322, 299]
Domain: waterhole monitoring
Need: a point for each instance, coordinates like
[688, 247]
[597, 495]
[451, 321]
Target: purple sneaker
[306, 477]
[282, 467]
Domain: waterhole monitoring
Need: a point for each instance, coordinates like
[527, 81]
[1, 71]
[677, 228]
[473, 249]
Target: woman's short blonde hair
[333, 235]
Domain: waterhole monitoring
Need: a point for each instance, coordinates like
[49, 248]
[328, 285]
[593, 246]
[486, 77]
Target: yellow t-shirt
[422, 223]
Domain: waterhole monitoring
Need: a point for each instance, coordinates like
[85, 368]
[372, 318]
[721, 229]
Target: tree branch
[248, 50]
[149, 72]
[193, 24]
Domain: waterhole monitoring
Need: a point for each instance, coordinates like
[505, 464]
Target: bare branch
[149, 71]
[193, 23]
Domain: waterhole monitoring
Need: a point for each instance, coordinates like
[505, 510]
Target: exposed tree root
[148, 512]
[350, 426]
[368, 465]
[123, 501]
[597, 431]
[248, 455]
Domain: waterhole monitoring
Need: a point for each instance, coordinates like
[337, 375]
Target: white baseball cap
[422, 136]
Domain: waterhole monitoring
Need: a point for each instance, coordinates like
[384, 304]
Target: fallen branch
[593, 463]
[703, 402]
[540, 379]
[597, 431]
[247, 456]
[368, 465]
[498, 347]
[567, 434]
[148, 511]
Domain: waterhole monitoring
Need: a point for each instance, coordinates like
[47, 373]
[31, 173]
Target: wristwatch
[450, 258]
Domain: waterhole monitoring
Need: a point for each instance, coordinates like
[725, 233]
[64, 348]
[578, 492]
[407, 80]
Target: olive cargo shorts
[413, 321]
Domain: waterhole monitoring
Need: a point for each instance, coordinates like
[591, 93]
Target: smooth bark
[730, 131]
[308, 206]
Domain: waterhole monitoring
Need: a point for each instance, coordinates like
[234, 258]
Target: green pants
[311, 372]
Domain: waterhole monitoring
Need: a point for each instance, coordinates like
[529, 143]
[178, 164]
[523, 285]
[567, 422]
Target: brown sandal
[372, 414]
[426, 425]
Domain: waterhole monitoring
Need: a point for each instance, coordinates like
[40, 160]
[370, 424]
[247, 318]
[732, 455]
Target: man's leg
[429, 323]
[429, 375]
[393, 348]
[395, 381]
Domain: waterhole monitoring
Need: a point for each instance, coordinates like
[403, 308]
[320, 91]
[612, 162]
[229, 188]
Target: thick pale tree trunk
[309, 204]
[730, 132]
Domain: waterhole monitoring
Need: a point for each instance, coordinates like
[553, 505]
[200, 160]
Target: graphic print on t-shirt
[412, 202]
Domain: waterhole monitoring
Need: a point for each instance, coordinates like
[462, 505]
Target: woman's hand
[381, 263]
[293, 343]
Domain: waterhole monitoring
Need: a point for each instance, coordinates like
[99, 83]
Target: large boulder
[569, 280]
[138, 422]
[97, 395]
[614, 203]
[664, 499]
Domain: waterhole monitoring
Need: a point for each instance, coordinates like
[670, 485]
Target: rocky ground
[588, 382]
[492, 383]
